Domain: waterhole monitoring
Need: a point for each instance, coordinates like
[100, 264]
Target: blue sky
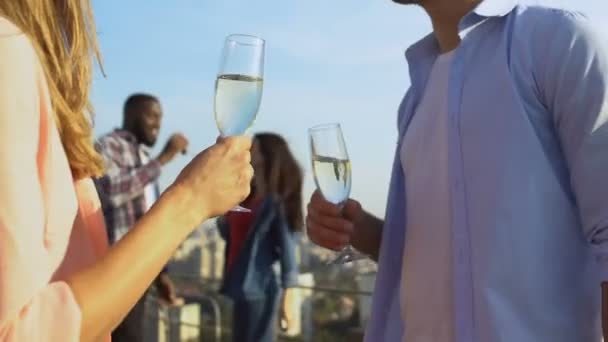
[327, 61]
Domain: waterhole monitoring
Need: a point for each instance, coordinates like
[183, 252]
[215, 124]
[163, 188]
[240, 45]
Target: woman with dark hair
[257, 239]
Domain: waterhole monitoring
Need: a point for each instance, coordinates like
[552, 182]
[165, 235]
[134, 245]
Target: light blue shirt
[528, 168]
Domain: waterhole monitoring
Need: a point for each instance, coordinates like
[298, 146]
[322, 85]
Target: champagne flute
[332, 173]
[238, 87]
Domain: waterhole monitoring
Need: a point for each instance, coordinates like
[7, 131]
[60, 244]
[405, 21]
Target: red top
[239, 224]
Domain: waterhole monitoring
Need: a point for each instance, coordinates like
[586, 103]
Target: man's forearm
[368, 235]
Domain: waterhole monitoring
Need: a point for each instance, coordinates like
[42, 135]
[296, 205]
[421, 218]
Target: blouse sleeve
[31, 308]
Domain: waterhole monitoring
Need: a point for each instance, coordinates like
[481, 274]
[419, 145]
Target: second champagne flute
[238, 87]
[332, 172]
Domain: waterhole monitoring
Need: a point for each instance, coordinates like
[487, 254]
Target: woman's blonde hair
[63, 34]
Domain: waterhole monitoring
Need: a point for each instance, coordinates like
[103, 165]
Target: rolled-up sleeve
[31, 308]
[573, 80]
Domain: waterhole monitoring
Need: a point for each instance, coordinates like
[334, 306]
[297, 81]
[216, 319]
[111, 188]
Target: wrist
[163, 158]
[185, 208]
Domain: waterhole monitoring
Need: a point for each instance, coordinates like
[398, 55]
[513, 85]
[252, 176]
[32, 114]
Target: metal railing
[211, 326]
[170, 319]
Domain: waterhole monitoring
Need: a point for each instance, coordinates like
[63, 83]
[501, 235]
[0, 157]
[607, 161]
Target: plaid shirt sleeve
[124, 179]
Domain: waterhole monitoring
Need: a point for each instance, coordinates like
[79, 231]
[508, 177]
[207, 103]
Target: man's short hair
[134, 101]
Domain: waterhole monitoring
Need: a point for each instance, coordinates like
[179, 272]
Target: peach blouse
[50, 226]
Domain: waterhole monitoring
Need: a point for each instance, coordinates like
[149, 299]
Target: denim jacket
[270, 239]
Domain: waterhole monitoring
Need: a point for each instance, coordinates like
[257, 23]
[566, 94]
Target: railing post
[365, 283]
[174, 315]
[200, 300]
[301, 302]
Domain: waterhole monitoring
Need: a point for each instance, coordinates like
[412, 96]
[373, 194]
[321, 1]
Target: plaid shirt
[121, 189]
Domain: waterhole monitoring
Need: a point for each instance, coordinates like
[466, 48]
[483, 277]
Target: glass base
[348, 254]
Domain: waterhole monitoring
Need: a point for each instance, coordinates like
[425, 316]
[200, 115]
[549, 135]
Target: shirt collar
[428, 46]
[422, 54]
[132, 140]
[126, 135]
[495, 8]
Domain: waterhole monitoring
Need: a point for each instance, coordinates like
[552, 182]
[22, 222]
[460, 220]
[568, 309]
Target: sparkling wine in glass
[238, 87]
[332, 172]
